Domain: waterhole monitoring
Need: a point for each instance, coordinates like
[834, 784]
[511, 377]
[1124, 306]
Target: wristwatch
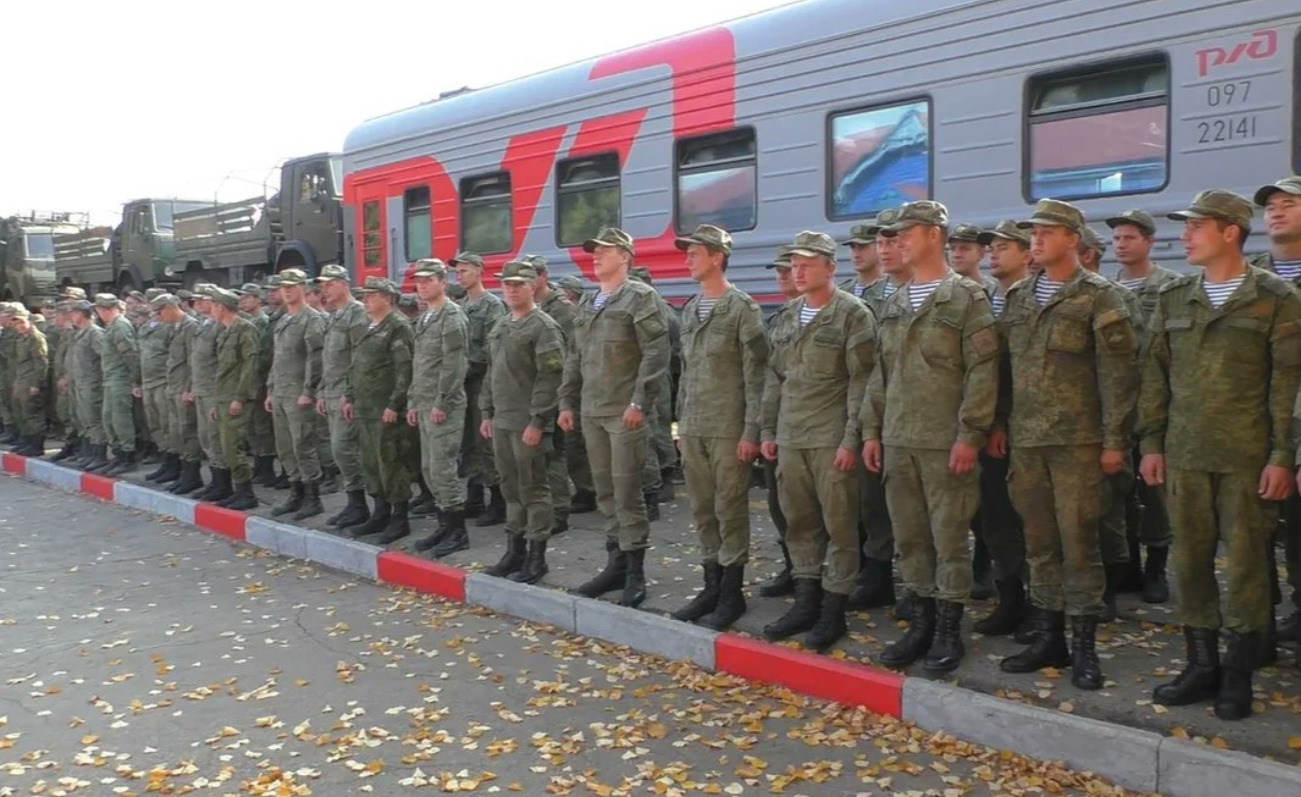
[635, 406]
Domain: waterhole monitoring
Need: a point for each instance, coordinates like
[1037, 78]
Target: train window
[587, 197]
[419, 230]
[1099, 133]
[485, 214]
[717, 181]
[372, 235]
[880, 158]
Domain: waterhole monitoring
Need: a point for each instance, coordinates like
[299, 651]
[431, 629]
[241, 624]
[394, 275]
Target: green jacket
[120, 354]
[203, 357]
[85, 369]
[154, 338]
[296, 363]
[561, 310]
[381, 367]
[480, 316]
[31, 363]
[526, 360]
[441, 362]
[237, 352]
[178, 356]
[343, 329]
[724, 364]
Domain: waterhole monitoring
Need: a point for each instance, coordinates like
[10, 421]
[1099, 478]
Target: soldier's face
[607, 260]
[965, 257]
[468, 275]
[276, 297]
[1007, 259]
[169, 314]
[918, 244]
[313, 299]
[786, 282]
[702, 263]
[336, 292]
[1132, 244]
[204, 307]
[430, 289]
[249, 303]
[812, 274]
[864, 257]
[375, 302]
[1051, 244]
[1089, 258]
[293, 294]
[1283, 218]
[887, 250]
[1204, 241]
[518, 295]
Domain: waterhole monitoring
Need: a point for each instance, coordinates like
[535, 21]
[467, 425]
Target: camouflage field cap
[152, 292]
[225, 298]
[80, 304]
[107, 300]
[1055, 213]
[333, 271]
[715, 238]
[1217, 203]
[249, 289]
[1090, 238]
[201, 289]
[571, 282]
[72, 292]
[164, 300]
[517, 271]
[538, 262]
[293, 276]
[1008, 230]
[912, 214]
[19, 311]
[610, 236]
[430, 267]
[184, 295]
[137, 295]
[812, 244]
[381, 285]
[783, 259]
[864, 234]
[1138, 218]
[965, 232]
[466, 257]
[1288, 185]
[6, 309]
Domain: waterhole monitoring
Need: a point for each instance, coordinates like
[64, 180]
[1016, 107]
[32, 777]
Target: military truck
[134, 255]
[27, 251]
[301, 226]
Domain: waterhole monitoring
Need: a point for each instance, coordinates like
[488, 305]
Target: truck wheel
[127, 283]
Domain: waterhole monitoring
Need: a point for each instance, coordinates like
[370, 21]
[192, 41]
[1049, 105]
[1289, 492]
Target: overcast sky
[110, 101]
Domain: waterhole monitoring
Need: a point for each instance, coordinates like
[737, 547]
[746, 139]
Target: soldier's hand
[769, 450]
[413, 418]
[1152, 469]
[437, 416]
[532, 437]
[321, 409]
[566, 420]
[236, 408]
[872, 455]
[845, 460]
[187, 398]
[268, 405]
[746, 451]
[485, 429]
[346, 409]
[962, 458]
[389, 416]
[305, 401]
[996, 445]
[633, 418]
[138, 392]
[1275, 483]
[1112, 461]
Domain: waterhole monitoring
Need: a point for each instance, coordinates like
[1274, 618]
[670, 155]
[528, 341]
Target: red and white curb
[1135, 759]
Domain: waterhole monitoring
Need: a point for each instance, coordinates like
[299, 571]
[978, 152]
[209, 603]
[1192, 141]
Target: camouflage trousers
[90, 411]
[345, 445]
[263, 436]
[1153, 526]
[580, 471]
[158, 416]
[385, 456]
[1113, 531]
[140, 430]
[119, 417]
[774, 501]
[618, 457]
[233, 432]
[931, 508]
[718, 485]
[209, 432]
[295, 438]
[1057, 491]
[875, 530]
[1207, 509]
[525, 483]
[998, 523]
[661, 454]
[558, 474]
[440, 448]
[322, 431]
[29, 411]
[821, 507]
[64, 408]
[477, 452]
[183, 429]
[6, 397]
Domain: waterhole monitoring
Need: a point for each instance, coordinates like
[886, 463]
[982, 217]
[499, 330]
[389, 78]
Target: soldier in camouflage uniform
[552, 301]
[724, 348]
[526, 356]
[8, 350]
[1067, 406]
[86, 380]
[30, 366]
[61, 395]
[183, 427]
[482, 309]
[291, 396]
[822, 353]
[52, 329]
[966, 253]
[929, 407]
[661, 455]
[154, 338]
[1217, 431]
[345, 326]
[580, 470]
[261, 426]
[203, 395]
[613, 373]
[237, 358]
[120, 359]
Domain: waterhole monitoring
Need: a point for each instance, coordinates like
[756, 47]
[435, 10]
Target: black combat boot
[191, 479]
[1115, 576]
[457, 538]
[439, 534]
[378, 519]
[311, 504]
[264, 471]
[611, 577]
[1010, 612]
[560, 525]
[399, 524]
[1156, 589]
[731, 601]
[173, 473]
[125, 462]
[354, 513]
[101, 465]
[281, 481]
[424, 503]
[917, 640]
[292, 503]
[241, 497]
[495, 513]
[535, 563]
[1130, 578]
[10, 436]
[329, 480]
[98, 459]
[1086, 670]
[33, 446]
[802, 616]
[652, 499]
[473, 497]
[583, 501]
[1047, 646]
[154, 474]
[783, 583]
[875, 586]
[220, 489]
[1200, 678]
[830, 626]
[1240, 657]
[73, 446]
[668, 491]
[707, 599]
[947, 648]
[512, 560]
[982, 578]
[634, 584]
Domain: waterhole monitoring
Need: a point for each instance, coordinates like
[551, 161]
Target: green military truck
[27, 254]
[134, 255]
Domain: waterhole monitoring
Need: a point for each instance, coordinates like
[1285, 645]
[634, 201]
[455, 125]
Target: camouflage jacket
[84, 365]
[296, 363]
[120, 354]
[178, 356]
[154, 338]
[1070, 375]
[438, 373]
[55, 337]
[936, 377]
[619, 354]
[817, 375]
[203, 357]
[343, 329]
[31, 363]
[561, 310]
[1219, 384]
[526, 360]
[480, 316]
[237, 351]
[265, 324]
[724, 364]
[1150, 288]
[381, 367]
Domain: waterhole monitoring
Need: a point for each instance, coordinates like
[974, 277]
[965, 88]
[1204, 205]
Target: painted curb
[159, 503]
[811, 674]
[226, 522]
[1185, 768]
[54, 475]
[1128, 757]
[278, 538]
[98, 486]
[646, 632]
[15, 464]
[341, 553]
[422, 575]
[536, 604]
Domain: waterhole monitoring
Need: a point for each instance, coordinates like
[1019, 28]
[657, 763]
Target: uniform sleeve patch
[985, 341]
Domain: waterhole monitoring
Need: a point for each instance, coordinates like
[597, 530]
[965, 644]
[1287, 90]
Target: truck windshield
[336, 175]
[162, 215]
[40, 247]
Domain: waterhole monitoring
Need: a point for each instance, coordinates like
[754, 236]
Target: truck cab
[307, 214]
[27, 254]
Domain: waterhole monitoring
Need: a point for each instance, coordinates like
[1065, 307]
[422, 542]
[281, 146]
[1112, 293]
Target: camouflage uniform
[344, 328]
[380, 377]
[438, 381]
[295, 373]
[120, 358]
[567, 459]
[203, 384]
[183, 424]
[154, 338]
[661, 455]
[56, 414]
[87, 382]
[30, 366]
[237, 357]
[480, 316]
[262, 440]
[8, 350]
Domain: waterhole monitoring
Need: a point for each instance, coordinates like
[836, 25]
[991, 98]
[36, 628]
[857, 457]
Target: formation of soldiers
[1082, 428]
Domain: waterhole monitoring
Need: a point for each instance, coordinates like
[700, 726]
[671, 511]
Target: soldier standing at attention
[613, 374]
[965, 255]
[580, 471]
[330, 483]
[1216, 430]
[291, 396]
[121, 362]
[724, 362]
[868, 282]
[526, 360]
[661, 455]
[237, 352]
[261, 427]
[203, 394]
[31, 369]
[86, 376]
[551, 300]
[154, 337]
[53, 331]
[183, 431]
[380, 379]
[8, 348]
[60, 372]
[823, 351]
[436, 403]
[930, 405]
[344, 329]
[482, 309]
[1071, 349]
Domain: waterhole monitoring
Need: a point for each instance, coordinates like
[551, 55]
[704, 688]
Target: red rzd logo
[1262, 45]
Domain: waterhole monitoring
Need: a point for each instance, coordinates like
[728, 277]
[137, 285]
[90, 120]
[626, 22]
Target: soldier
[330, 482]
[380, 379]
[86, 380]
[136, 313]
[436, 403]
[261, 426]
[930, 405]
[203, 395]
[613, 374]
[53, 331]
[551, 300]
[183, 427]
[580, 470]
[575, 290]
[965, 255]
[154, 339]
[482, 309]
[868, 282]
[661, 455]
[121, 362]
[1216, 430]
[29, 365]
[823, 351]
[725, 357]
[344, 329]
[519, 400]
[237, 359]
[291, 396]
[8, 350]
[60, 346]
[1070, 359]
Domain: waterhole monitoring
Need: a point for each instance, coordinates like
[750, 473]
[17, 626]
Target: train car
[819, 114]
